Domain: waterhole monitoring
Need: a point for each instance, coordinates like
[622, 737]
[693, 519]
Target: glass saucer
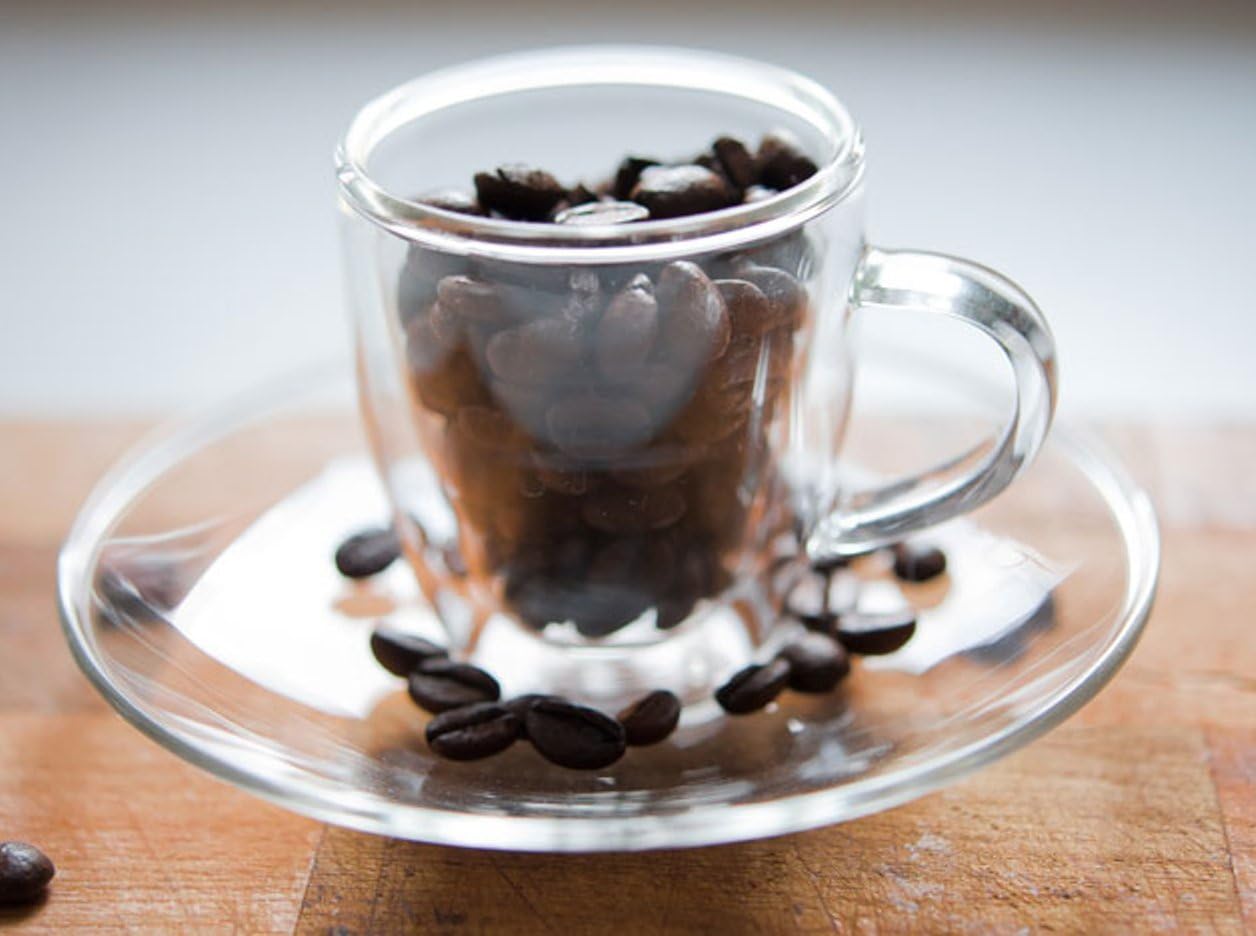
[198, 593]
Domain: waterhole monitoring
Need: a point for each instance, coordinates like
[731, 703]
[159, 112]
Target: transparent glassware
[610, 489]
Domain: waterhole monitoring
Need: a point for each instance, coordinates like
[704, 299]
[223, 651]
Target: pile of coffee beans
[595, 426]
[24, 872]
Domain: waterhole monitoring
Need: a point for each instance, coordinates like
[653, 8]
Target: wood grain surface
[1138, 815]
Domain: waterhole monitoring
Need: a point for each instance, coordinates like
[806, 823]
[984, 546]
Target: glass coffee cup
[602, 442]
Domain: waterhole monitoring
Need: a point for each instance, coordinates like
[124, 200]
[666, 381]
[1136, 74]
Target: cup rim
[594, 65]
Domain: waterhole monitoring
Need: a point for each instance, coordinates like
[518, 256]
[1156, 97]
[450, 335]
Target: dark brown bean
[455, 383]
[522, 193]
[439, 685]
[602, 213]
[917, 563]
[817, 663]
[574, 736]
[749, 311]
[781, 162]
[401, 653]
[735, 159]
[580, 195]
[521, 705]
[598, 427]
[752, 688]
[628, 173]
[676, 191]
[626, 334]
[473, 732]
[872, 634]
[368, 553]
[24, 872]
[621, 510]
[455, 200]
[696, 326]
[538, 353]
[785, 295]
[651, 718]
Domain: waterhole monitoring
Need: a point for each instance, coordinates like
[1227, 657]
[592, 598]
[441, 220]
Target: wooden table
[1137, 815]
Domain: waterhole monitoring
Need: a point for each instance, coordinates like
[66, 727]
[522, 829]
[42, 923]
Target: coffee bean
[628, 173]
[696, 326]
[538, 353]
[752, 688]
[914, 563]
[473, 731]
[521, 705]
[651, 718]
[738, 164]
[574, 736]
[519, 192]
[472, 300]
[580, 195]
[621, 510]
[597, 427]
[749, 311]
[603, 213]
[455, 383]
[24, 872]
[781, 161]
[817, 663]
[401, 653]
[872, 634]
[626, 334]
[676, 191]
[785, 295]
[455, 200]
[368, 553]
[439, 685]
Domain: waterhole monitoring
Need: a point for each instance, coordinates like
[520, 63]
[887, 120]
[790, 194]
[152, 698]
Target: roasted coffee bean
[473, 732]
[781, 162]
[598, 427]
[674, 610]
[574, 736]
[651, 718]
[455, 200]
[439, 685]
[757, 193]
[785, 295]
[696, 326]
[872, 634]
[752, 688]
[915, 563]
[368, 553]
[604, 609]
[749, 311]
[471, 300]
[628, 173]
[580, 195]
[535, 354]
[625, 336]
[817, 663]
[401, 653]
[24, 872]
[519, 192]
[521, 705]
[622, 510]
[676, 191]
[738, 164]
[455, 383]
[603, 213]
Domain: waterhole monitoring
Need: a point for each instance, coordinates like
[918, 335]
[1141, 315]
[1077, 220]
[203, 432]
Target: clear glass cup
[612, 437]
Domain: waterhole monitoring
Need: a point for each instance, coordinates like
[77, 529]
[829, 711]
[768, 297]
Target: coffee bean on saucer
[875, 633]
[602, 213]
[439, 685]
[401, 653]
[24, 872]
[817, 663]
[651, 718]
[696, 326]
[753, 687]
[473, 732]
[574, 736]
[735, 159]
[628, 173]
[368, 553]
[626, 333]
[781, 162]
[676, 191]
[519, 192]
[455, 200]
[915, 563]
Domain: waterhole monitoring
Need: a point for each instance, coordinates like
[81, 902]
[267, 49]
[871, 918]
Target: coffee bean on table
[520, 192]
[736, 161]
[24, 872]
[873, 634]
[676, 191]
[602, 212]
[574, 736]
[473, 732]
[454, 200]
[917, 563]
[781, 162]
[817, 663]
[439, 685]
[753, 687]
[628, 173]
[651, 718]
[696, 326]
[368, 553]
[401, 653]
[626, 333]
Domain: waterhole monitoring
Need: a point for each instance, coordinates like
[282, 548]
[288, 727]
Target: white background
[167, 225]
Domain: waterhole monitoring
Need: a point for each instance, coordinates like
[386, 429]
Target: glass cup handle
[928, 282]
